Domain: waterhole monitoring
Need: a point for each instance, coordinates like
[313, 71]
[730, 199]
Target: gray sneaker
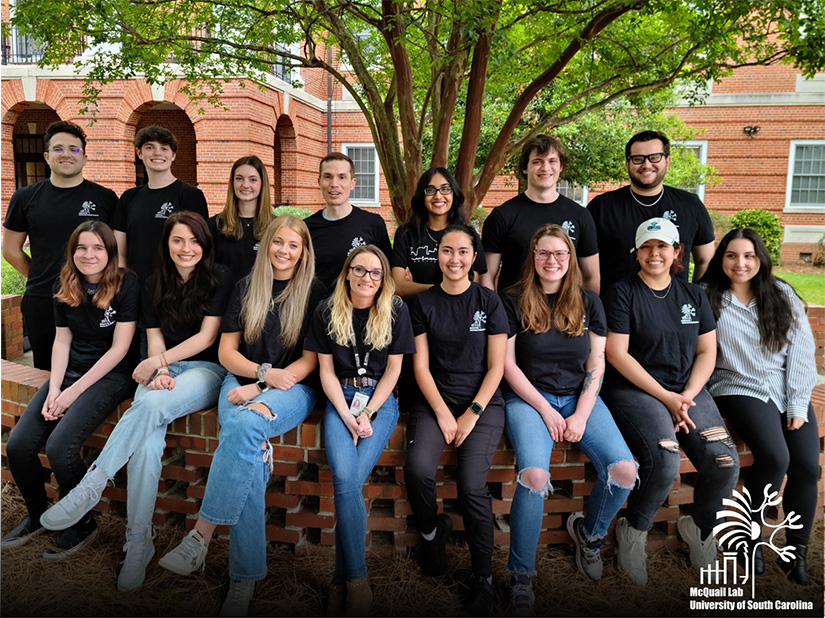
[187, 557]
[74, 506]
[139, 550]
[588, 553]
[521, 596]
[631, 554]
[238, 598]
[702, 553]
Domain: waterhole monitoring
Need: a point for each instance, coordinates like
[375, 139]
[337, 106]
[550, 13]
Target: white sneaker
[187, 557]
[75, 505]
[702, 553]
[238, 598]
[139, 550]
[631, 554]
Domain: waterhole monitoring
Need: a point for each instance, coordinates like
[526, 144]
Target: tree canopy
[447, 82]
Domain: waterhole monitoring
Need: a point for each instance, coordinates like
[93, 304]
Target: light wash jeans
[140, 435]
[602, 443]
[236, 487]
[351, 465]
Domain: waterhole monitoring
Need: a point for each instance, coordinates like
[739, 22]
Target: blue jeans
[140, 435]
[351, 465]
[602, 443]
[236, 487]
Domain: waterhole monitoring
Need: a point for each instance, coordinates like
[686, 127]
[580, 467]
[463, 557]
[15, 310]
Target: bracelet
[371, 414]
[163, 359]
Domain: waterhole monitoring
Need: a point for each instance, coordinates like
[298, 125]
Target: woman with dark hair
[661, 341]
[460, 333]
[183, 302]
[238, 228]
[437, 203]
[765, 372]
[262, 347]
[554, 367]
[96, 307]
[360, 334]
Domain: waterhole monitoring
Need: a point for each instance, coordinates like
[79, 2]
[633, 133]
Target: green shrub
[13, 281]
[818, 258]
[766, 224]
[721, 224]
[478, 217]
[303, 213]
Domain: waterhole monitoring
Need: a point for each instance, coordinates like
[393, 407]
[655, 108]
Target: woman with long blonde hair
[361, 335]
[262, 396]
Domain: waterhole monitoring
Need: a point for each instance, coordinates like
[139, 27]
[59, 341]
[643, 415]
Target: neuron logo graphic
[741, 534]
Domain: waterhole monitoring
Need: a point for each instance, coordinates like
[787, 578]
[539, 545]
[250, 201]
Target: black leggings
[762, 427]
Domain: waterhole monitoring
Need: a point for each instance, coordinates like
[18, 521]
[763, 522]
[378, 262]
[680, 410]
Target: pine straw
[85, 584]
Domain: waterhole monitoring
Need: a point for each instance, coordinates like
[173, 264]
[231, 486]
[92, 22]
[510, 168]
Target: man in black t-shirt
[618, 213]
[47, 213]
[142, 212]
[509, 228]
[340, 227]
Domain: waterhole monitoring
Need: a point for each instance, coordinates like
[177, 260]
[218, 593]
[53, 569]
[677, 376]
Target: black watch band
[476, 408]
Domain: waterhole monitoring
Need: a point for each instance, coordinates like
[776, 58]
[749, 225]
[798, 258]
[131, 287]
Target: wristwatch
[262, 385]
[370, 413]
[476, 408]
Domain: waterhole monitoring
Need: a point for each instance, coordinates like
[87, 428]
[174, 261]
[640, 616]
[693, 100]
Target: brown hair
[337, 156]
[72, 289]
[541, 145]
[228, 221]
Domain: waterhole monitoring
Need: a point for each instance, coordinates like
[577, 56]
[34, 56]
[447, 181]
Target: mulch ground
[85, 584]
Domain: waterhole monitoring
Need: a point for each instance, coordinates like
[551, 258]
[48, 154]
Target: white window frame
[372, 201]
[574, 185]
[702, 145]
[809, 208]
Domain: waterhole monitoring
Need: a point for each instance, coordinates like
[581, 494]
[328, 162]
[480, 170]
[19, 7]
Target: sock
[704, 531]
[430, 535]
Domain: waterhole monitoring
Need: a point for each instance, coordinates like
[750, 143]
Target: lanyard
[361, 370]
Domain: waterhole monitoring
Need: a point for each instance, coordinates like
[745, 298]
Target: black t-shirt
[142, 212]
[457, 327]
[420, 255]
[333, 241]
[510, 227]
[553, 361]
[93, 329]
[238, 255]
[267, 348]
[49, 215]
[664, 332]
[617, 215]
[215, 307]
[343, 358]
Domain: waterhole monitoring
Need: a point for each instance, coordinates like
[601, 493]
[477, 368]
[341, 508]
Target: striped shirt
[744, 367]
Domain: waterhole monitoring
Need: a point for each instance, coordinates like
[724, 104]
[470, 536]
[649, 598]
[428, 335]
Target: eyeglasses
[58, 150]
[360, 271]
[639, 159]
[543, 255]
[443, 190]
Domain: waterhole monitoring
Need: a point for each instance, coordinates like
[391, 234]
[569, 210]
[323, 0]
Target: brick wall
[11, 320]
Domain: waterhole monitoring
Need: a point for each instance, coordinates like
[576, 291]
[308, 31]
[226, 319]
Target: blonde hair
[228, 221]
[567, 315]
[292, 302]
[382, 310]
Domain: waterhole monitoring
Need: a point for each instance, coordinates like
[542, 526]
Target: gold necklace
[245, 222]
[652, 291]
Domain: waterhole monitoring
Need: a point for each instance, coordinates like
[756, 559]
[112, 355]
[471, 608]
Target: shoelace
[190, 548]
[81, 493]
[592, 551]
[522, 595]
[134, 555]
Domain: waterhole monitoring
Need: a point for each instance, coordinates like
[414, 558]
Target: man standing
[142, 211]
[340, 227]
[618, 213]
[47, 213]
[509, 228]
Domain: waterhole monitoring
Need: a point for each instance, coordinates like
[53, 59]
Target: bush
[478, 217]
[303, 213]
[766, 224]
[721, 224]
[818, 258]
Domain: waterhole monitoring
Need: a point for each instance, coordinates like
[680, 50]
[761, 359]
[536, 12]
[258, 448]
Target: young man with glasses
[618, 213]
[47, 213]
[509, 228]
[340, 227]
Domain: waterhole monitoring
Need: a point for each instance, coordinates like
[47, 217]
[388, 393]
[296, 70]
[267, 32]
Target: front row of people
[548, 339]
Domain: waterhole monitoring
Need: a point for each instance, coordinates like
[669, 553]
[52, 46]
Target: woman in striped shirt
[765, 371]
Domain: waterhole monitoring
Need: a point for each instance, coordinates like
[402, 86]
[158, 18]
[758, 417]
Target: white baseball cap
[659, 229]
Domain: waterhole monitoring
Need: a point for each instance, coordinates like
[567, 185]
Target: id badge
[359, 402]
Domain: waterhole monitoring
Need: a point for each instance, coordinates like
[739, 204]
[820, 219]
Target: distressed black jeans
[647, 428]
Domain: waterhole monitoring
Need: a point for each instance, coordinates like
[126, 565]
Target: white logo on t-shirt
[423, 254]
[570, 228]
[257, 246]
[358, 241]
[87, 209]
[479, 320]
[670, 215]
[688, 313]
[165, 210]
[108, 317]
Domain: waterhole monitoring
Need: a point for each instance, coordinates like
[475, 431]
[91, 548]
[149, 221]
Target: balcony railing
[20, 49]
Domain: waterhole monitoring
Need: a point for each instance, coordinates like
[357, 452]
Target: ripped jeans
[602, 443]
[647, 427]
[236, 486]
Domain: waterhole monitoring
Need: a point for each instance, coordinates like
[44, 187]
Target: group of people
[264, 316]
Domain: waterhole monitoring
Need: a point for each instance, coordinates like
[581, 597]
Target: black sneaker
[433, 553]
[481, 598]
[72, 540]
[522, 598]
[21, 533]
